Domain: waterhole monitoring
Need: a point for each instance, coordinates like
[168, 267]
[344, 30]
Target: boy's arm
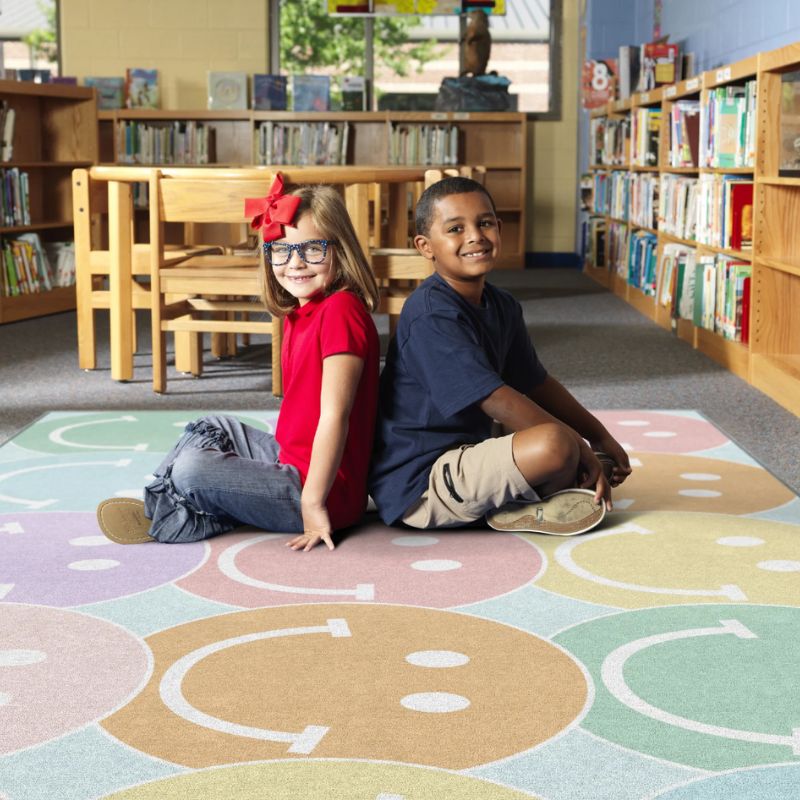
[553, 397]
[340, 376]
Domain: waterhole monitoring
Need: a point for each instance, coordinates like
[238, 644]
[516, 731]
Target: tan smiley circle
[394, 683]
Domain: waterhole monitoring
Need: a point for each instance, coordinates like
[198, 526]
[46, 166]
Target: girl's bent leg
[222, 473]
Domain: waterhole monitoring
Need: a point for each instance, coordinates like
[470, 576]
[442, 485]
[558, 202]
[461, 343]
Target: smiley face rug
[653, 657]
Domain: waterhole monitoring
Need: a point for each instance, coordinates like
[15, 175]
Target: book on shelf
[34, 75]
[628, 70]
[269, 92]
[301, 143]
[354, 93]
[7, 123]
[227, 91]
[110, 91]
[14, 198]
[175, 142]
[684, 150]
[740, 227]
[64, 80]
[645, 132]
[659, 65]
[311, 92]
[598, 82]
[61, 256]
[26, 267]
[141, 88]
[642, 266]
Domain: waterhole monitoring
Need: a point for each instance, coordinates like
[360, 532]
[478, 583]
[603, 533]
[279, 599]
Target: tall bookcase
[771, 359]
[497, 141]
[55, 130]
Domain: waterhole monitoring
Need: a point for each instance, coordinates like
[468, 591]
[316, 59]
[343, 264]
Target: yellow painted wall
[182, 39]
[553, 156]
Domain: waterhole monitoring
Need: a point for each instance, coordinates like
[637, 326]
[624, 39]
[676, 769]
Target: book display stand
[55, 130]
[697, 197]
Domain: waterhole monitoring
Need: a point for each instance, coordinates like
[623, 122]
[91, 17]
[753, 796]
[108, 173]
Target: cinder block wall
[182, 39]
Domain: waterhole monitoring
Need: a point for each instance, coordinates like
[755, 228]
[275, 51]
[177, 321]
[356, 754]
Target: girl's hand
[622, 465]
[316, 528]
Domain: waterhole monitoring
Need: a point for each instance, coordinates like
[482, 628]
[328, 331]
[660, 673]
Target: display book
[137, 89]
[30, 266]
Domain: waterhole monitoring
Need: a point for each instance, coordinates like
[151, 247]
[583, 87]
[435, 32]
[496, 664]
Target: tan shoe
[123, 521]
[565, 513]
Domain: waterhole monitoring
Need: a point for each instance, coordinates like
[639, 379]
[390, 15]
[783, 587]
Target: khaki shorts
[467, 482]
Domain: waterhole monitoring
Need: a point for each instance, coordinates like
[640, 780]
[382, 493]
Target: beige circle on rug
[667, 482]
[394, 683]
[321, 780]
[659, 558]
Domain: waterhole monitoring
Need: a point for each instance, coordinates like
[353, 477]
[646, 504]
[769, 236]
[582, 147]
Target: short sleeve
[345, 326]
[450, 361]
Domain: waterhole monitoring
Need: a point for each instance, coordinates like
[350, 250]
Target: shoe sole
[521, 519]
[119, 514]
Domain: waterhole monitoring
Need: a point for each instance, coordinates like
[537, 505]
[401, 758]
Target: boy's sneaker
[565, 513]
[123, 521]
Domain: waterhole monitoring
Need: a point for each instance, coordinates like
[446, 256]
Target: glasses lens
[313, 252]
[279, 254]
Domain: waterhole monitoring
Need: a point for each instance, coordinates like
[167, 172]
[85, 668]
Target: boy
[461, 358]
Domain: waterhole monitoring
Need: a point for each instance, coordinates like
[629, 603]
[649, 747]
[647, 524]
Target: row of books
[305, 143]
[714, 209]
[165, 142]
[711, 291]
[725, 211]
[30, 266]
[644, 193]
[677, 206]
[684, 129]
[609, 140]
[642, 262]
[593, 246]
[238, 91]
[15, 205]
[423, 144]
[645, 134]
[727, 127]
[618, 237]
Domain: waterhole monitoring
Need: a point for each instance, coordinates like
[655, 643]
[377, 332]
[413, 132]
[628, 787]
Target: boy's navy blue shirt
[446, 357]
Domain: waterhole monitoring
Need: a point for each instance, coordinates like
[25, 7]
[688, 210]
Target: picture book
[110, 91]
[227, 90]
[659, 65]
[628, 71]
[741, 213]
[141, 88]
[311, 92]
[354, 93]
[269, 92]
[598, 82]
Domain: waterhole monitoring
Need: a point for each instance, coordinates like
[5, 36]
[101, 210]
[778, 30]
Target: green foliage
[43, 41]
[312, 38]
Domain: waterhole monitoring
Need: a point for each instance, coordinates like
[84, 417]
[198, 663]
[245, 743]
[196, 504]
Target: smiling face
[301, 280]
[463, 240]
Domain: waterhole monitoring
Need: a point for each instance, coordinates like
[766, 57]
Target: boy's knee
[550, 446]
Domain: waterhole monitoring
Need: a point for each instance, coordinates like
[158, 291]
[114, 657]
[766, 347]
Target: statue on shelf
[476, 44]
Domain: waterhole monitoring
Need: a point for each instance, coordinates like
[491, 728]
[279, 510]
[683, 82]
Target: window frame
[554, 43]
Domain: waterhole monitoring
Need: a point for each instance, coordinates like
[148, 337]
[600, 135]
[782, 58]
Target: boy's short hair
[423, 216]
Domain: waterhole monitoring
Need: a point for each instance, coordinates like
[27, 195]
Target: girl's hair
[351, 270]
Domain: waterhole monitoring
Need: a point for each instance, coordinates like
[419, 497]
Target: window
[405, 59]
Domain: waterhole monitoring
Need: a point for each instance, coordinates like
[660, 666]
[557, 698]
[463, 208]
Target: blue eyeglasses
[314, 251]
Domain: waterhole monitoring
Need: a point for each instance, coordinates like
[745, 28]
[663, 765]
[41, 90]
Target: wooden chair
[211, 293]
[399, 270]
[114, 276]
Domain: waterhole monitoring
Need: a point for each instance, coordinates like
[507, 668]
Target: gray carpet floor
[603, 351]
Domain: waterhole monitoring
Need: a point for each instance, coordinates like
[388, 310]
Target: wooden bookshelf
[771, 359]
[497, 141]
[775, 304]
[55, 131]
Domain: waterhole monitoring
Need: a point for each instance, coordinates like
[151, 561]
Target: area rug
[656, 657]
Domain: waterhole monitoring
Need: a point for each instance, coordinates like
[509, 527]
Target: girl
[310, 477]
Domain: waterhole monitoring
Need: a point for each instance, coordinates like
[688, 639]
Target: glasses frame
[299, 248]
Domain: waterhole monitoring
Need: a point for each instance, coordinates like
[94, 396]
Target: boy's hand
[590, 476]
[316, 528]
[622, 465]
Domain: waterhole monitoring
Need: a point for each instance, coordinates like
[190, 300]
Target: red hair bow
[272, 212]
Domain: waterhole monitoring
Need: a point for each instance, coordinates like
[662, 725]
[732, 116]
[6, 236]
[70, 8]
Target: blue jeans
[222, 474]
